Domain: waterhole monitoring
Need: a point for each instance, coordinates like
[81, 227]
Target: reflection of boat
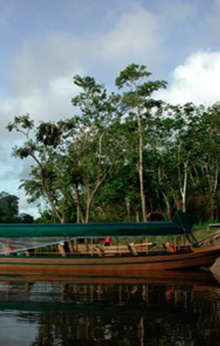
[92, 290]
[86, 295]
[92, 259]
[104, 314]
[198, 279]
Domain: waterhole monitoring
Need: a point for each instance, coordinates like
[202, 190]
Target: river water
[181, 311]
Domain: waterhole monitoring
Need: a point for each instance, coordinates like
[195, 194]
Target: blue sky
[44, 43]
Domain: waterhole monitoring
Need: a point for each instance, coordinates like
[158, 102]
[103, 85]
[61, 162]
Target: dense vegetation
[123, 156]
[9, 210]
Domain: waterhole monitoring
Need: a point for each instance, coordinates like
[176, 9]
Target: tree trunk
[55, 212]
[184, 187]
[88, 208]
[90, 197]
[54, 209]
[176, 200]
[182, 184]
[79, 216]
[169, 211]
[137, 216]
[141, 175]
[128, 208]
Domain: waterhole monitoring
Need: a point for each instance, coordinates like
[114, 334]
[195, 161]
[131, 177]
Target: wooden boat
[23, 249]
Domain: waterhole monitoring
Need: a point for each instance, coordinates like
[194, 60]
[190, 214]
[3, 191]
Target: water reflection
[110, 313]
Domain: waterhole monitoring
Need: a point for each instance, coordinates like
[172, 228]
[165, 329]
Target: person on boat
[10, 251]
[107, 241]
[169, 247]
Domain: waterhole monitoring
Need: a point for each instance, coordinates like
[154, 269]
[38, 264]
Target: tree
[8, 207]
[74, 157]
[26, 218]
[122, 153]
[96, 134]
[40, 149]
[210, 146]
[138, 103]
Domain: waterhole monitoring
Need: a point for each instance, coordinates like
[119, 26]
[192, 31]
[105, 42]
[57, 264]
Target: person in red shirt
[107, 241]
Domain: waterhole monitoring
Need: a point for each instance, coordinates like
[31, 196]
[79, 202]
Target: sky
[44, 43]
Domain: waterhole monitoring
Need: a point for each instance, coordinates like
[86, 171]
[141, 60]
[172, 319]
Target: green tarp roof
[126, 229]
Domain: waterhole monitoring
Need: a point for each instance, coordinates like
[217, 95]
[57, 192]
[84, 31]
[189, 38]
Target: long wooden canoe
[124, 265]
[115, 263]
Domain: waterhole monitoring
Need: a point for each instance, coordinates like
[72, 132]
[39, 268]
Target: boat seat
[61, 250]
[132, 249]
[26, 253]
[100, 250]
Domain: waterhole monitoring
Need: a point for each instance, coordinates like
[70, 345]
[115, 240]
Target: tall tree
[137, 102]
[39, 146]
[210, 159]
[74, 157]
[189, 133]
[97, 129]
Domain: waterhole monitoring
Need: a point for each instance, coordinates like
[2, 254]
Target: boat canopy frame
[181, 224]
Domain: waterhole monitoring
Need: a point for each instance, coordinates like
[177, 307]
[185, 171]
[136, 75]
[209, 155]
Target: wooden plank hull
[123, 266]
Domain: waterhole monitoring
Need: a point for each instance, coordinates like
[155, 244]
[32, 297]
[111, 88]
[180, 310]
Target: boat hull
[123, 266]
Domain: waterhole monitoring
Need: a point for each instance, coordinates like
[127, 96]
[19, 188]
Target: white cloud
[136, 37]
[43, 59]
[197, 80]
[40, 79]
[52, 102]
[25, 207]
[41, 84]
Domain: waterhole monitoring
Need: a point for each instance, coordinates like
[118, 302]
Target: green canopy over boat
[178, 226]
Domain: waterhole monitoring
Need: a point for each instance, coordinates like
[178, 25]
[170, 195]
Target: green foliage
[45, 217]
[26, 218]
[8, 207]
[21, 123]
[131, 75]
[89, 167]
[139, 90]
[9, 210]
